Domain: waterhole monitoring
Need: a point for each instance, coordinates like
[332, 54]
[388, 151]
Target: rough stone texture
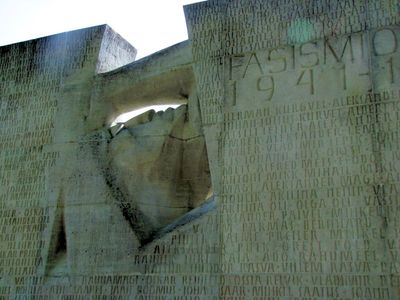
[298, 100]
[293, 109]
[159, 164]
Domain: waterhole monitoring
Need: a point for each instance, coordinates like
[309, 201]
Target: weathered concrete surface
[298, 101]
[292, 107]
[165, 77]
[160, 167]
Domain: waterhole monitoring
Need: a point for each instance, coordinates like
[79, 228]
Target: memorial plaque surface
[276, 178]
[298, 99]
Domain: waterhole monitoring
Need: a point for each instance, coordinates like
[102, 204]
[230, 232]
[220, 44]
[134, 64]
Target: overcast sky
[149, 25]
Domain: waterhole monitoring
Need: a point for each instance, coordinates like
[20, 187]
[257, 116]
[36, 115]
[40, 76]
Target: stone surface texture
[276, 177]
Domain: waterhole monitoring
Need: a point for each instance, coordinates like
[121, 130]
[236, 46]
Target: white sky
[149, 25]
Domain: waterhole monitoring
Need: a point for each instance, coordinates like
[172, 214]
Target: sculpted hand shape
[158, 170]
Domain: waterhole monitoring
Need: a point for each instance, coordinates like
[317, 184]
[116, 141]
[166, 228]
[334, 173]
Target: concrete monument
[275, 178]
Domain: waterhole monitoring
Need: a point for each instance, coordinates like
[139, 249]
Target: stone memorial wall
[276, 178]
[299, 99]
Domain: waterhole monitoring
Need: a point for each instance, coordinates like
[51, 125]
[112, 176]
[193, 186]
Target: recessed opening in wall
[158, 170]
[131, 114]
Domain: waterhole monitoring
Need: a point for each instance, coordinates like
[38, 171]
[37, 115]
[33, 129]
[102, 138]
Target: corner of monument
[114, 52]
